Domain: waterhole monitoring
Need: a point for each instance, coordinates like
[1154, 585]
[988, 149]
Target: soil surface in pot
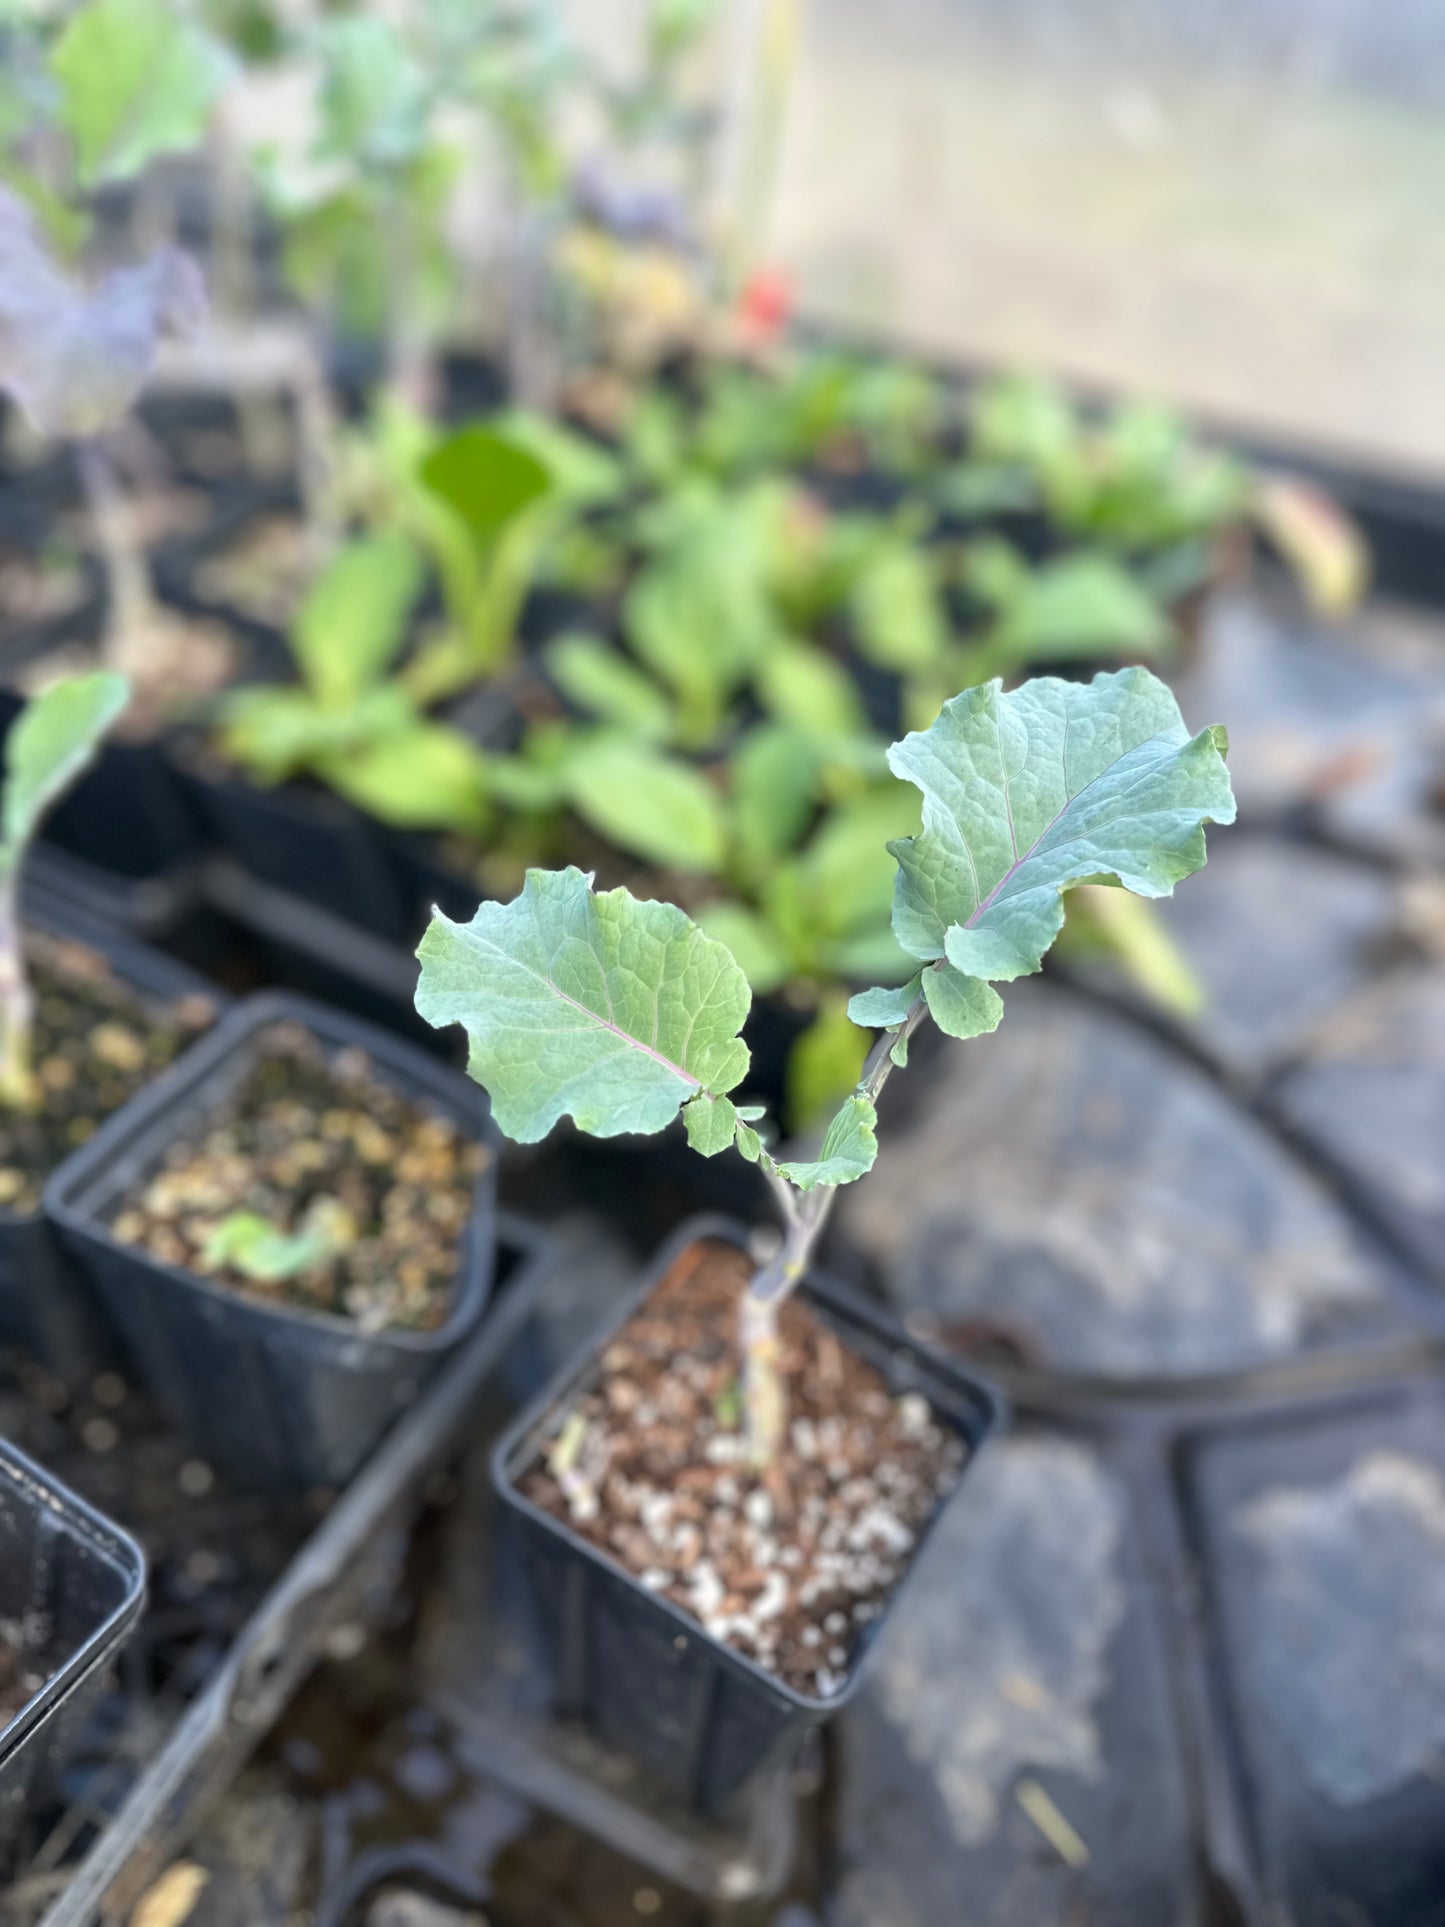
[96, 1042]
[264, 572]
[39, 588]
[180, 661]
[333, 1159]
[787, 1566]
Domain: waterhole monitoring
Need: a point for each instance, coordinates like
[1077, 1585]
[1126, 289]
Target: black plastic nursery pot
[304, 840]
[71, 1588]
[45, 1304]
[282, 1397]
[703, 1719]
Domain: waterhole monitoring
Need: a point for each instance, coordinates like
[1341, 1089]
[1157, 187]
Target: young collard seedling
[49, 746]
[623, 1013]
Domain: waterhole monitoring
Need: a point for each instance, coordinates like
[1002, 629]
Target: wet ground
[1177, 1659]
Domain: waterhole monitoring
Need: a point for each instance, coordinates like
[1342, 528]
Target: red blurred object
[765, 306]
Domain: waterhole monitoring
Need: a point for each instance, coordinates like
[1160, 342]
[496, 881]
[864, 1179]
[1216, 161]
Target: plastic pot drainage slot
[282, 1397]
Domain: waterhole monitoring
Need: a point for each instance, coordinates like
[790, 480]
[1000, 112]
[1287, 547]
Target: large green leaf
[137, 80]
[353, 622]
[50, 743]
[487, 479]
[599, 1007]
[1029, 792]
[648, 804]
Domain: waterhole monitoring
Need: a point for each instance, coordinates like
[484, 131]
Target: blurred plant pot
[281, 1395]
[706, 1721]
[74, 1584]
[45, 1305]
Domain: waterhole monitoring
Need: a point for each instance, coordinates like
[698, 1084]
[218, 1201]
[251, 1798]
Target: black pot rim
[235, 1030]
[110, 1542]
[990, 1402]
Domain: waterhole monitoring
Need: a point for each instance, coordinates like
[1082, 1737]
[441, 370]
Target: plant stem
[805, 1213]
[128, 583]
[17, 1005]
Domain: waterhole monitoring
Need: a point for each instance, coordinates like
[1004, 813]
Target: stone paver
[1371, 1098]
[1024, 1661]
[1324, 1534]
[1104, 1203]
[1344, 725]
[1278, 935]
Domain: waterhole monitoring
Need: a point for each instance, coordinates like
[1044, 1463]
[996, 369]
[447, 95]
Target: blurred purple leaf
[76, 356]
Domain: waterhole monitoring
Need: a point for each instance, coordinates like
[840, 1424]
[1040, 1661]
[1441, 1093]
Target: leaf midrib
[613, 1029]
[1053, 823]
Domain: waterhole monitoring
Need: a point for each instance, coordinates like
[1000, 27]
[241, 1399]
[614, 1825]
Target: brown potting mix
[789, 1565]
[310, 1134]
[96, 1042]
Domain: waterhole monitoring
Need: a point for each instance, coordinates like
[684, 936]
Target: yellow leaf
[1320, 542]
[172, 1900]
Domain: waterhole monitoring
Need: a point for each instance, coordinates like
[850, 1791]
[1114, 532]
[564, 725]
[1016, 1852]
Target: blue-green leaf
[883, 1009]
[849, 1147]
[599, 1007]
[711, 1123]
[1027, 793]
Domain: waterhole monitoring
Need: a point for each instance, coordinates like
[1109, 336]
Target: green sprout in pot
[624, 1014]
[352, 721]
[50, 744]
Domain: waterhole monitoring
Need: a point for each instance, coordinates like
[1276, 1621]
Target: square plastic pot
[703, 1719]
[281, 1397]
[45, 1304]
[76, 1584]
[308, 842]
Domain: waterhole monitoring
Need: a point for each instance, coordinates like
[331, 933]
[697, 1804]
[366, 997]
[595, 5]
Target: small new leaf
[849, 1147]
[53, 739]
[884, 1009]
[711, 1123]
[591, 1005]
[1029, 792]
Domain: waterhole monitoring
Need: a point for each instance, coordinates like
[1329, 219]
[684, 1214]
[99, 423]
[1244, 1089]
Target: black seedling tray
[284, 1397]
[72, 1585]
[246, 1597]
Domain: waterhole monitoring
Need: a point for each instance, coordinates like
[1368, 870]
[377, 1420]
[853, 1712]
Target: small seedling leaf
[650, 805]
[353, 622]
[486, 479]
[884, 1009]
[849, 1147]
[591, 1005]
[711, 1123]
[51, 742]
[600, 680]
